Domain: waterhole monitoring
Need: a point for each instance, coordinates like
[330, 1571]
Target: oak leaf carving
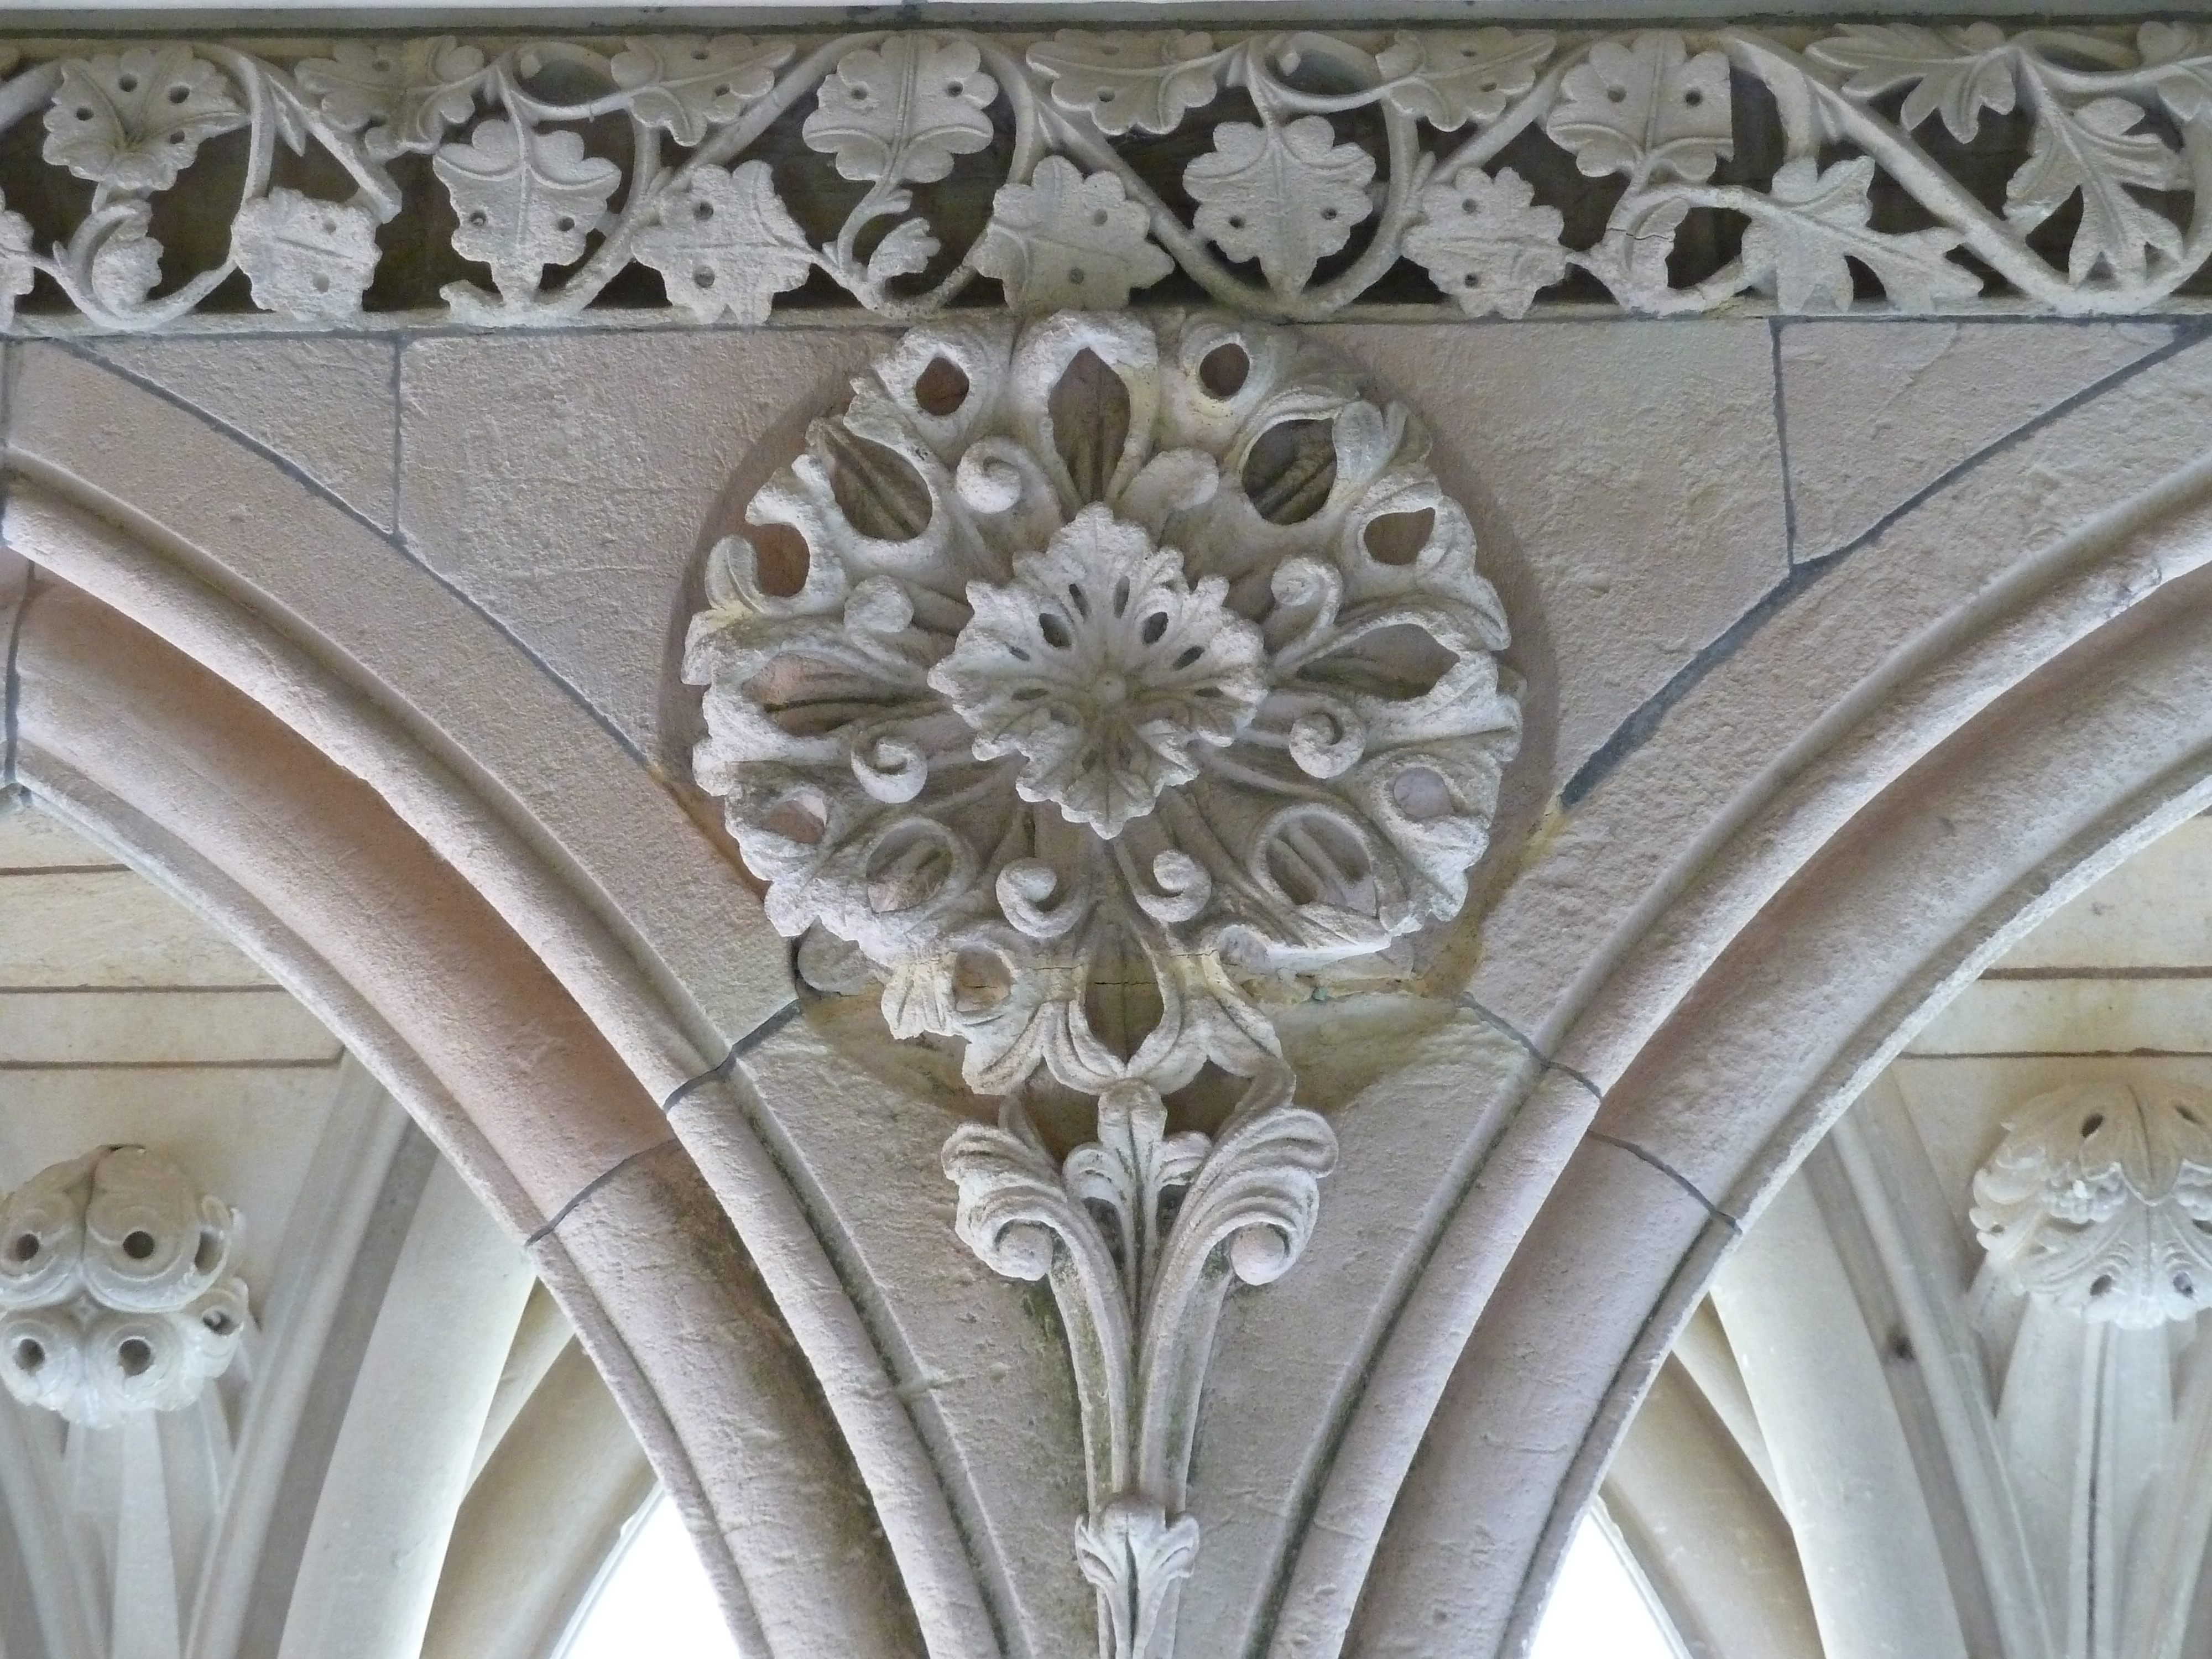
[687, 84]
[525, 199]
[306, 258]
[2181, 55]
[726, 242]
[1147, 83]
[1959, 72]
[127, 264]
[134, 120]
[903, 110]
[1485, 242]
[2097, 150]
[401, 96]
[1645, 106]
[1063, 240]
[1287, 195]
[1450, 78]
[1802, 255]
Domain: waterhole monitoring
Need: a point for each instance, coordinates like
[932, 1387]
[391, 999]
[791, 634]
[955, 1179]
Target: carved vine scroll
[1280, 173]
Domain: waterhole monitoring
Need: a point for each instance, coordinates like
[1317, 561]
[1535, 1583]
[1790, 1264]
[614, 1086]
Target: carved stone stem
[1141, 1235]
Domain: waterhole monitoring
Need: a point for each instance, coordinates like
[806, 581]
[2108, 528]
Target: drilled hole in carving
[1090, 410]
[1401, 662]
[981, 982]
[1079, 600]
[1188, 654]
[2091, 1124]
[1224, 370]
[795, 818]
[1317, 859]
[2185, 1285]
[1291, 471]
[942, 387]
[30, 1357]
[879, 494]
[1121, 1001]
[1398, 538]
[908, 866]
[779, 559]
[25, 1247]
[135, 1355]
[1421, 793]
[138, 1244]
[2101, 1285]
[217, 1321]
[1055, 631]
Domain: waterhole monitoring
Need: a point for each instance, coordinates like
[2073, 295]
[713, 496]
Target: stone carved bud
[2099, 1199]
[114, 1291]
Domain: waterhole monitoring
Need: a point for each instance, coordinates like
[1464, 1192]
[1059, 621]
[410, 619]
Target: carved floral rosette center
[2100, 1200]
[115, 1292]
[1129, 660]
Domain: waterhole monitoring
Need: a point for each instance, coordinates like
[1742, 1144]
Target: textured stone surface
[1873, 414]
[1622, 547]
[323, 406]
[569, 484]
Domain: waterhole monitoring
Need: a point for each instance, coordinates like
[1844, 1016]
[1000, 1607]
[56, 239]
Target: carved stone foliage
[1923, 166]
[1093, 669]
[2100, 1200]
[114, 1298]
[1140, 1234]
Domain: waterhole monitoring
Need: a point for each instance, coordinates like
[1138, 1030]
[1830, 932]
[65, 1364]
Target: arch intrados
[2070, 705]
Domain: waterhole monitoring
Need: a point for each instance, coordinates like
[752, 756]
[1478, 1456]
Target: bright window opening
[1599, 1608]
[654, 1598]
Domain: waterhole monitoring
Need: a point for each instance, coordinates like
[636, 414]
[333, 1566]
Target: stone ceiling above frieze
[1290, 173]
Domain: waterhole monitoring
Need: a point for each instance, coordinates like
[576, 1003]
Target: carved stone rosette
[113, 1292]
[1081, 675]
[2100, 1200]
[1126, 661]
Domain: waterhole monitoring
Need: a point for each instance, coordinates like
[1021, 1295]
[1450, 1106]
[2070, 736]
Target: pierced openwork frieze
[1285, 173]
[2100, 1200]
[115, 1293]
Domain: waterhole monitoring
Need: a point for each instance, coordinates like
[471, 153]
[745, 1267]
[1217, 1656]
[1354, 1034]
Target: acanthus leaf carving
[526, 200]
[1286, 195]
[401, 97]
[1484, 242]
[1799, 249]
[1451, 80]
[1188, 1218]
[306, 258]
[1063, 240]
[724, 241]
[2100, 1200]
[1129, 83]
[134, 120]
[115, 1291]
[1647, 108]
[687, 84]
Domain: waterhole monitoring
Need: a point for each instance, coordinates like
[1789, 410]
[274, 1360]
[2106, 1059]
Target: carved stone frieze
[1924, 167]
[114, 1292]
[1126, 662]
[2100, 1200]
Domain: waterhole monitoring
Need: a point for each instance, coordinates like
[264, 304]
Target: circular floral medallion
[1126, 660]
